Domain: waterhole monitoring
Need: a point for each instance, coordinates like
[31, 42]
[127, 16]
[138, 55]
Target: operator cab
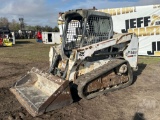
[85, 27]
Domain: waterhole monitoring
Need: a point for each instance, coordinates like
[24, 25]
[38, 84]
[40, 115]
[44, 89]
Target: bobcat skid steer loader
[92, 60]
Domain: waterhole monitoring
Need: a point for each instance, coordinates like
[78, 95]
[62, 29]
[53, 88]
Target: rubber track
[87, 78]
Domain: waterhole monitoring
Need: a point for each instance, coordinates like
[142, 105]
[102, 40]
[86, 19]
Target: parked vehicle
[5, 34]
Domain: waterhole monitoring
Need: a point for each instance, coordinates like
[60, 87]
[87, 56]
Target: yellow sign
[119, 11]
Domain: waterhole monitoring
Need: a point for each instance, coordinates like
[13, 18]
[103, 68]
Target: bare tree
[55, 29]
[14, 25]
[4, 22]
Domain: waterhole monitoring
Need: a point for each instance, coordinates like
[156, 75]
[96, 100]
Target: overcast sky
[45, 12]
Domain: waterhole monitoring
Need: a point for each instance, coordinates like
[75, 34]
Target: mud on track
[125, 104]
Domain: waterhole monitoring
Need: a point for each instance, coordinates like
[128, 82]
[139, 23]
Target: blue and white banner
[144, 21]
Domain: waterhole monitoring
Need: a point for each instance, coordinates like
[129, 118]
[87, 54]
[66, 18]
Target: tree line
[15, 26]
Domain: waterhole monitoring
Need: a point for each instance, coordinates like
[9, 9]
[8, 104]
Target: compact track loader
[91, 60]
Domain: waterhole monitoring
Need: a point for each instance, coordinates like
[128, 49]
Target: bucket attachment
[40, 93]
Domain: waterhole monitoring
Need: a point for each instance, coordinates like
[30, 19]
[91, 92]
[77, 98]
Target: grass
[29, 51]
[25, 51]
[148, 59]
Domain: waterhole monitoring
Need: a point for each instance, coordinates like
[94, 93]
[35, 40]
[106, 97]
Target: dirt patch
[118, 105]
[140, 101]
